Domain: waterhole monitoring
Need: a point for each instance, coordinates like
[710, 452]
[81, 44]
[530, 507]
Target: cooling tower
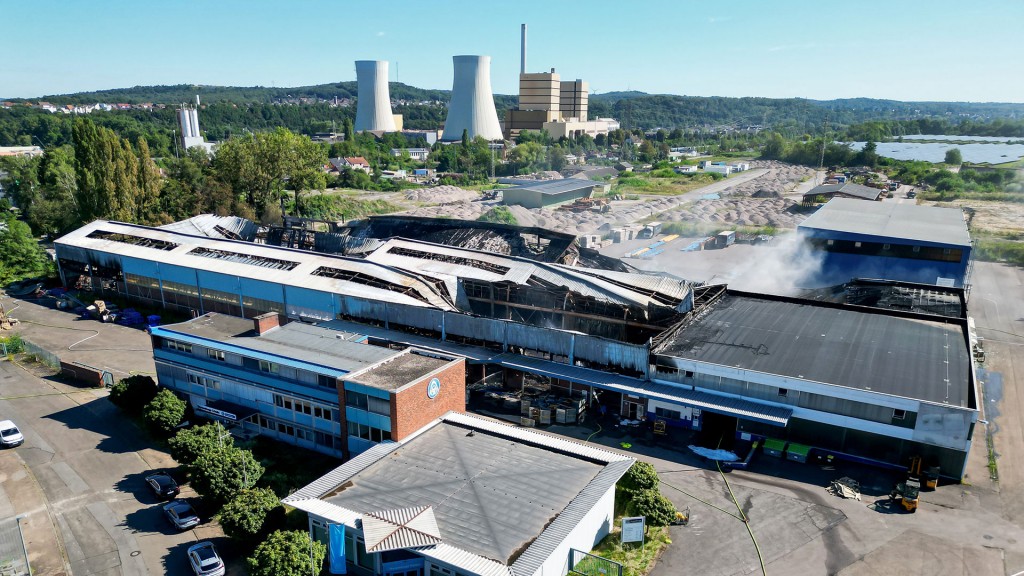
[472, 105]
[373, 109]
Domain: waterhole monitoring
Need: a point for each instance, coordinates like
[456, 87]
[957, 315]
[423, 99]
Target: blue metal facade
[291, 403]
[870, 259]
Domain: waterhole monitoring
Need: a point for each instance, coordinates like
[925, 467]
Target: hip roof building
[472, 105]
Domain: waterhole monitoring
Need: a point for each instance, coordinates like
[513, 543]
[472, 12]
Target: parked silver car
[10, 436]
[181, 514]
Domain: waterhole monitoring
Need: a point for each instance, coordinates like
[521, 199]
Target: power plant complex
[546, 102]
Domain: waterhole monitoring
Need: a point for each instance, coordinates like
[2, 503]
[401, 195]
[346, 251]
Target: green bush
[659, 510]
[13, 343]
[291, 553]
[220, 474]
[641, 476]
[499, 215]
[245, 515]
[132, 394]
[164, 412]
[191, 443]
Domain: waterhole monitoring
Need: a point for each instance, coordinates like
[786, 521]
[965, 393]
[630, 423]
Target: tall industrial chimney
[522, 53]
[472, 105]
[373, 109]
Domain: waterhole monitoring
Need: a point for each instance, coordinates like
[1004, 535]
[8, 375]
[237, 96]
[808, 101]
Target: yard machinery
[908, 493]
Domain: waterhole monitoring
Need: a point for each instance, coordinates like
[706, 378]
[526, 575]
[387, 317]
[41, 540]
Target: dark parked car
[181, 514]
[163, 485]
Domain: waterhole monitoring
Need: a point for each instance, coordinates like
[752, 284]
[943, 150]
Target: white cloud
[379, 34]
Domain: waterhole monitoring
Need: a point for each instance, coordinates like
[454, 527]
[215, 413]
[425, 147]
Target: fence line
[42, 355]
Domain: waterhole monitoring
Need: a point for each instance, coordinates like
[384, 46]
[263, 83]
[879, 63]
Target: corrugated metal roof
[731, 406]
[399, 529]
[849, 188]
[614, 287]
[944, 226]
[301, 276]
[534, 437]
[531, 560]
[215, 226]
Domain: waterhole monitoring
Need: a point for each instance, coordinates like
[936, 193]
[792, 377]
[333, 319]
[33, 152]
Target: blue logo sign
[433, 388]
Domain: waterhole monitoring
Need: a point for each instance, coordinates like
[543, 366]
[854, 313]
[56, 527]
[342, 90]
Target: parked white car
[10, 436]
[204, 560]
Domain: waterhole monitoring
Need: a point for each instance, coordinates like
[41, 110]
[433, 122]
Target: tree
[640, 476]
[287, 553]
[191, 443]
[222, 473]
[133, 393]
[659, 510]
[256, 166]
[954, 157]
[164, 411]
[775, 148]
[246, 513]
[20, 255]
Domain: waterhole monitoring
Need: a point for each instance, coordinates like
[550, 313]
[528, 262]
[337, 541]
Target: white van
[10, 436]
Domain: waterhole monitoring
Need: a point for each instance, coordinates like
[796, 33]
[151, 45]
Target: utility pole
[824, 142]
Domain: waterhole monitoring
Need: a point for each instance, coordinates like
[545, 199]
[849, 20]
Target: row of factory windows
[189, 296]
[889, 249]
[254, 364]
[803, 399]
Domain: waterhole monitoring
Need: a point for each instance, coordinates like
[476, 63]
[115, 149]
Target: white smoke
[785, 268]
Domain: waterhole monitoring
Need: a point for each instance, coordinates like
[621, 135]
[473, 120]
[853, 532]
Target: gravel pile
[776, 212]
[440, 194]
[780, 179]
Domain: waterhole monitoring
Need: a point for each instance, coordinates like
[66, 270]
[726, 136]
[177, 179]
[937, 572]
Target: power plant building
[373, 107]
[471, 109]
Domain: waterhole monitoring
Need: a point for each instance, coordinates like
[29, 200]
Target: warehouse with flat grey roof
[863, 382]
[890, 241]
[545, 193]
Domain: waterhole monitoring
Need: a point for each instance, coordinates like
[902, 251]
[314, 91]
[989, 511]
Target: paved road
[84, 464]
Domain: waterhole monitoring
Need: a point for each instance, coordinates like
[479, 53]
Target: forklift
[908, 493]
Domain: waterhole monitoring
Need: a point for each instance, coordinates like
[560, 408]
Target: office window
[179, 346]
[898, 414]
[269, 367]
[327, 381]
[380, 406]
[215, 354]
[783, 392]
[355, 399]
[689, 374]
[322, 413]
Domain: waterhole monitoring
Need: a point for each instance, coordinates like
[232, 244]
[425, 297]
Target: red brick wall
[411, 409]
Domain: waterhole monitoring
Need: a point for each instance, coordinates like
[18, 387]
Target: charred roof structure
[893, 295]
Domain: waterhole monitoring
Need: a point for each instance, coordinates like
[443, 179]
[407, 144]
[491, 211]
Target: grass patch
[950, 195]
[696, 229]
[344, 207]
[636, 560]
[660, 183]
[997, 250]
[993, 467]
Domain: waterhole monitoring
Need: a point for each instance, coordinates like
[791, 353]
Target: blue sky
[899, 49]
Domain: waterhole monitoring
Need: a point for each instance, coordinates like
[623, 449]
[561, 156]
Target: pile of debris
[845, 487]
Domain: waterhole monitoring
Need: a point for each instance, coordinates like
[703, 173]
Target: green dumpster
[797, 452]
[774, 447]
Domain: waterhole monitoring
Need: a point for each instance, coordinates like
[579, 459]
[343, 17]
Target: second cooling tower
[472, 106]
[373, 109]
